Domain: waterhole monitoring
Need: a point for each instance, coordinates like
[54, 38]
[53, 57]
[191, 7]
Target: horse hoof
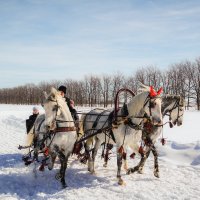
[121, 182]
[129, 171]
[64, 186]
[140, 172]
[156, 174]
[50, 167]
[41, 168]
[93, 172]
[58, 176]
[104, 165]
[89, 170]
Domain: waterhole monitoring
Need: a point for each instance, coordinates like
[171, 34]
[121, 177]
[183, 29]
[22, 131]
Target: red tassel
[141, 150]
[124, 156]
[41, 168]
[121, 150]
[46, 151]
[163, 141]
[132, 155]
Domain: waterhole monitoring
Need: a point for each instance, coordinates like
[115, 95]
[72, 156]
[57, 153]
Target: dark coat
[30, 122]
[72, 110]
[75, 115]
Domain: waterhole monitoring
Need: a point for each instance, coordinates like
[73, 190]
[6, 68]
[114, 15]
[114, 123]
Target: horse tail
[29, 138]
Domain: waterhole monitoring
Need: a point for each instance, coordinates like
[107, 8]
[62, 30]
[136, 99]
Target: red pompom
[163, 141]
[153, 93]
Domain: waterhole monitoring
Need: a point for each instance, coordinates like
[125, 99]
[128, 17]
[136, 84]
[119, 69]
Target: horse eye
[152, 104]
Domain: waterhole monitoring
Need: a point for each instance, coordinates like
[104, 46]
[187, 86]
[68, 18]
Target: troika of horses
[136, 125]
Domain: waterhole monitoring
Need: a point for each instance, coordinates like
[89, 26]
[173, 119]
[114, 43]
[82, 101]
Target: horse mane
[178, 97]
[136, 103]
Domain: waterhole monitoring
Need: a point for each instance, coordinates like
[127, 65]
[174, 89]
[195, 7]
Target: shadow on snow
[25, 185]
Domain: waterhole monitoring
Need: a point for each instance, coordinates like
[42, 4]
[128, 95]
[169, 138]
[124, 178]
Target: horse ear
[153, 93]
[45, 94]
[53, 90]
[142, 87]
[160, 91]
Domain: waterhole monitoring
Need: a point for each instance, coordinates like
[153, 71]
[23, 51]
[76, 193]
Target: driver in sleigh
[70, 104]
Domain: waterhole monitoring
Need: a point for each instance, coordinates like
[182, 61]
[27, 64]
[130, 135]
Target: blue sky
[42, 40]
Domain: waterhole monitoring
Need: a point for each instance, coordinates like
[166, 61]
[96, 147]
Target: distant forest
[100, 90]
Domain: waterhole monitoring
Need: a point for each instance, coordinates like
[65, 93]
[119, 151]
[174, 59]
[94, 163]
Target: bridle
[145, 115]
[57, 121]
[151, 105]
[176, 105]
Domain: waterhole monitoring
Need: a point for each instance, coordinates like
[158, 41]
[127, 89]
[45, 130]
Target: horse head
[152, 104]
[177, 112]
[153, 107]
[55, 109]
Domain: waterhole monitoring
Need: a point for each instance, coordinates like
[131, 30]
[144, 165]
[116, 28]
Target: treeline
[180, 78]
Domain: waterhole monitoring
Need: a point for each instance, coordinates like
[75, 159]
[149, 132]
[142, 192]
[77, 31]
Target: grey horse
[58, 129]
[140, 107]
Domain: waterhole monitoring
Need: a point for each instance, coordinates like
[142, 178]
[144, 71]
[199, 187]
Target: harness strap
[98, 118]
[65, 129]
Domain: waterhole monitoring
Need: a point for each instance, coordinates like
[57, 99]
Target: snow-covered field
[179, 167]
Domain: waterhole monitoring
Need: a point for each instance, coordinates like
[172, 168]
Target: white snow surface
[179, 162]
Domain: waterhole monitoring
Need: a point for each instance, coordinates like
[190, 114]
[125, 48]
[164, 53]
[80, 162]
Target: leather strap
[65, 129]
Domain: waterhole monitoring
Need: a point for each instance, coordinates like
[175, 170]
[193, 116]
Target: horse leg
[63, 171]
[86, 154]
[106, 156]
[139, 167]
[143, 161]
[61, 174]
[119, 165]
[52, 158]
[156, 167]
[92, 158]
[125, 165]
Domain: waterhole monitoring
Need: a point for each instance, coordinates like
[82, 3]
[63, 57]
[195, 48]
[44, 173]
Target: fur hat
[62, 88]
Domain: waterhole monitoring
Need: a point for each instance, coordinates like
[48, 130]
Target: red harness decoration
[163, 141]
[132, 156]
[141, 150]
[121, 150]
[153, 93]
[46, 151]
[148, 127]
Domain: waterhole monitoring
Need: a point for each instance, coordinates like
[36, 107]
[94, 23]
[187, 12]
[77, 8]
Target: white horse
[144, 105]
[173, 106]
[57, 131]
